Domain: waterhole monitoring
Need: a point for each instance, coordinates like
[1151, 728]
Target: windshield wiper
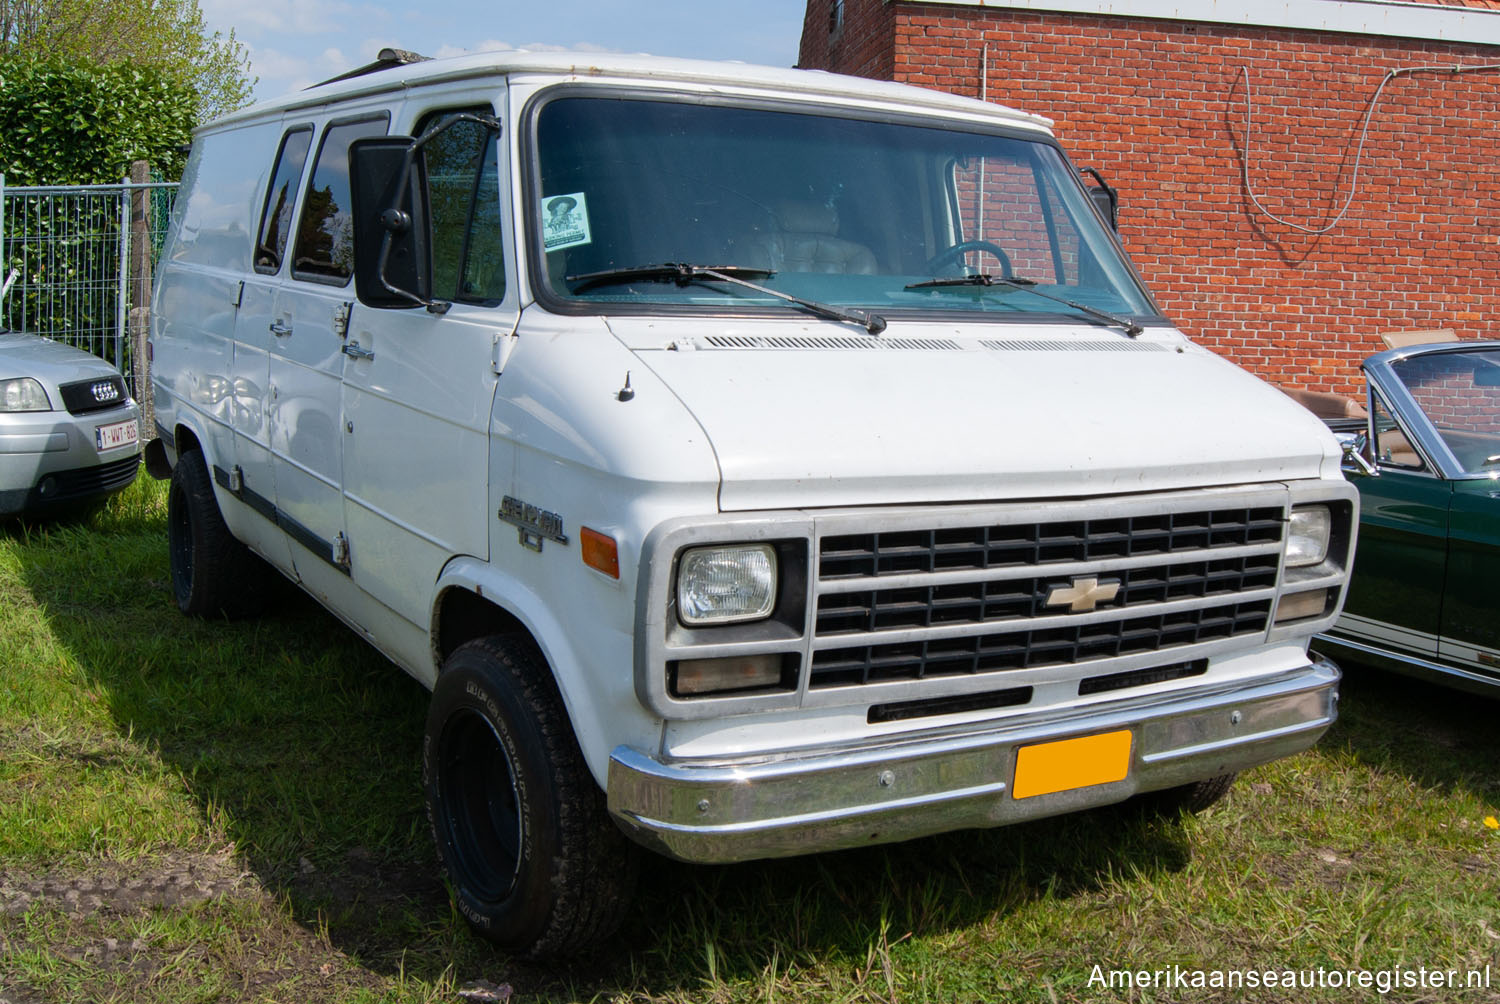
[683, 273]
[1027, 286]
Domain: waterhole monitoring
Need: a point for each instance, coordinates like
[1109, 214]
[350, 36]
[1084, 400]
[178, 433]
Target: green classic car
[1424, 597]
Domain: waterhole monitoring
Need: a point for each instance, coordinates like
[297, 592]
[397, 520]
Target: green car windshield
[1459, 393]
[848, 212]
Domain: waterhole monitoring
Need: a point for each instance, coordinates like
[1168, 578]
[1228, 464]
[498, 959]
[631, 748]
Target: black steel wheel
[213, 574]
[535, 863]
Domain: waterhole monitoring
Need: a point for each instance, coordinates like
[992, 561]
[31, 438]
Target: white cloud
[578, 47]
[272, 64]
[282, 17]
[281, 72]
[336, 61]
[488, 45]
[493, 45]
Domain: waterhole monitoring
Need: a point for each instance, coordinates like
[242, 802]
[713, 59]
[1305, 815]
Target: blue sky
[294, 43]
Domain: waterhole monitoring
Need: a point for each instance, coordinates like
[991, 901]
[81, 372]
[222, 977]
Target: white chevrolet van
[752, 462]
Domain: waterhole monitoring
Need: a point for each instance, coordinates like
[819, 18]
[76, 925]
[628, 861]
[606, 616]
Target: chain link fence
[82, 257]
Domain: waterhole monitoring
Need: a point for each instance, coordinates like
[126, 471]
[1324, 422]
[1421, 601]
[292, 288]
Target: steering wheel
[948, 256]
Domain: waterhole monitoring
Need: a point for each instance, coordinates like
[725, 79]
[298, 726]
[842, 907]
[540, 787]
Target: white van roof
[611, 67]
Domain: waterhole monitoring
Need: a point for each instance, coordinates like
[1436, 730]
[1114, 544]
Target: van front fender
[590, 664]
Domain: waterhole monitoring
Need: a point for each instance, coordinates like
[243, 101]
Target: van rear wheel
[535, 863]
[213, 574]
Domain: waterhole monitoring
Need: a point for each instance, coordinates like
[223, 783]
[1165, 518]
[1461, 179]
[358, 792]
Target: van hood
[814, 416]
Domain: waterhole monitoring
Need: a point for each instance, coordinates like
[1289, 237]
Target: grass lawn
[197, 811]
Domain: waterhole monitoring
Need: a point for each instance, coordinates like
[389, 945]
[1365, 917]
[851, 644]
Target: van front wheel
[520, 826]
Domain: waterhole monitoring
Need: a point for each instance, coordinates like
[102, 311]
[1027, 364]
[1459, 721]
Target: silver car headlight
[1308, 535]
[726, 584]
[23, 394]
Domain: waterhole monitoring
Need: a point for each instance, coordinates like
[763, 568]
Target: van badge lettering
[535, 524]
[1083, 594]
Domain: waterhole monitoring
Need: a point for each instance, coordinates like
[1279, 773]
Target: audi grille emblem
[104, 392]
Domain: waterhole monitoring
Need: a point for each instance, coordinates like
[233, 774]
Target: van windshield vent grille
[1060, 345]
[863, 344]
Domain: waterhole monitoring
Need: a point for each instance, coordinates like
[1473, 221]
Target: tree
[73, 123]
[168, 34]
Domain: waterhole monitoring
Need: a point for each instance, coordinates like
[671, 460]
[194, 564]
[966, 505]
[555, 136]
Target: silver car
[69, 432]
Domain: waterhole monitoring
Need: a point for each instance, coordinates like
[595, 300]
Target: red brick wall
[1159, 107]
[863, 47]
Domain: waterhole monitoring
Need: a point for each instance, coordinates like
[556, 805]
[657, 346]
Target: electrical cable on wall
[1363, 134]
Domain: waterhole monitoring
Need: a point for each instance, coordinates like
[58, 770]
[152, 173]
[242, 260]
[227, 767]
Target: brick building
[1156, 95]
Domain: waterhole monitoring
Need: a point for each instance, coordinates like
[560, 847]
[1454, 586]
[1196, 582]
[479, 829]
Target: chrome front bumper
[805, 803]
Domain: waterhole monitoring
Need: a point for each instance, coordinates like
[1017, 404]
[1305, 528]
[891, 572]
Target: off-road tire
[213, 574]
[1193, 797]
[521, 828]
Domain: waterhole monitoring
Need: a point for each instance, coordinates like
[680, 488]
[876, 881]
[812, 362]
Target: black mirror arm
[433, 306]
[394, 219]
[1112, 195]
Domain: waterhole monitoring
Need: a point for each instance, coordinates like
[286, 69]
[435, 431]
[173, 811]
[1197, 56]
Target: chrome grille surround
[901, 604]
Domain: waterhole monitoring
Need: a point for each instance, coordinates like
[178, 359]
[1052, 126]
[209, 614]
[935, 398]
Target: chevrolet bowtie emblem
[1083, 594]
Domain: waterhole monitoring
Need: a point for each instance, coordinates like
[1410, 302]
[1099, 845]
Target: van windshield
[844, 211]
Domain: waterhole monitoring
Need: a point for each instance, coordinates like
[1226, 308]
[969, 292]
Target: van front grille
[905, 605]
[1017, 544]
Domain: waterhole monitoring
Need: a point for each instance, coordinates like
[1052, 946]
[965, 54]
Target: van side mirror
[392, 250]
[392, 222]
[1106, 199]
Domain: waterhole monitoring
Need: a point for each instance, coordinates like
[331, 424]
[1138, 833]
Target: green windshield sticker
[565, 221]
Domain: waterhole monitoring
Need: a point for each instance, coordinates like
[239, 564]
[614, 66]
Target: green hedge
[79, 124]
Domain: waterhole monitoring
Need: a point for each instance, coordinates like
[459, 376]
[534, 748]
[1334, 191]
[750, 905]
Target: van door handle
[354, 351]
[281, 328]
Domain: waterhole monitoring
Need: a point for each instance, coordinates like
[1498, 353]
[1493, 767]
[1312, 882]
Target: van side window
[276, 215]
[463, 185]
[325, 233]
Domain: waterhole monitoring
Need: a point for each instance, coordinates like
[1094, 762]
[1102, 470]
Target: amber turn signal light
[600, 552]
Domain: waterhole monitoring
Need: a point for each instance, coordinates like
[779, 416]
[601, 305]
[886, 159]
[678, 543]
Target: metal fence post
[123, 298]
[140, 292]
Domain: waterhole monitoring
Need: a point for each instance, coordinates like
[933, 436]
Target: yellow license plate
[1071, 763]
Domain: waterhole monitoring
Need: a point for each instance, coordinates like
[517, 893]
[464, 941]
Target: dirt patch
[182, 879]
[87, 919]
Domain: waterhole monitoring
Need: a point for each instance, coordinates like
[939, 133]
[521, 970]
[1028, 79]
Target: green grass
[233, 809]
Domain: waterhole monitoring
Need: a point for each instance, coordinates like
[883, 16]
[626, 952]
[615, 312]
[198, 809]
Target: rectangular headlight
[726, 584]
[1307, 536]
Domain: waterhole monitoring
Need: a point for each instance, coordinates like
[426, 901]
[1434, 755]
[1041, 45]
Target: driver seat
[806, 240]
